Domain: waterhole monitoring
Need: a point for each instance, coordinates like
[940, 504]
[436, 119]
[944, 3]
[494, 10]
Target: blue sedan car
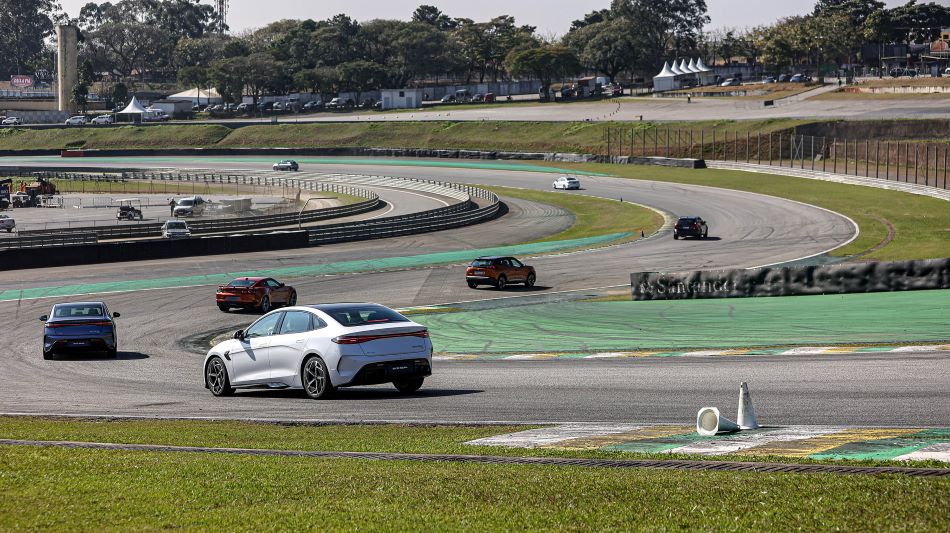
[79, 327]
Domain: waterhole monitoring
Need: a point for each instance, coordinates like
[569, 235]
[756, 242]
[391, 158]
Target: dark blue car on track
[79, 327]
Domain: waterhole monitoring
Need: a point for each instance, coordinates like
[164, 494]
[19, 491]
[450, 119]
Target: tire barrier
[793, 281]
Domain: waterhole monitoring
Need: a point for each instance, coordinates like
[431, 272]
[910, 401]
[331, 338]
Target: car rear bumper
[243, 301]
[479, 279]
[689, 232]
[78, 344]
[389, 371]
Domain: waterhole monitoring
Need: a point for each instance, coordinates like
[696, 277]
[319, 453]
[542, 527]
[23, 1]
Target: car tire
[224, 308]
[501, 283]
[529, 281]
[265, 304]
[315, 378]
[112, 353]
[675, 236]
[472, 285]
[216, 377]
[48, 356]
[705, 234]
[408, 386]
[292, 301]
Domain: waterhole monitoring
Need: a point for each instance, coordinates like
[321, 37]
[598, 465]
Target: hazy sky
[550, 16]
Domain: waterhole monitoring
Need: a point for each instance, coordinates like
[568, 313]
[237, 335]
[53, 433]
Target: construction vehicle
[40, 187]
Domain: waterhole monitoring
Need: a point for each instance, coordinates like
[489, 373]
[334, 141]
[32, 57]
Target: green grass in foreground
[592, 216]
[921, 224]
[395, 438]
[59, 489]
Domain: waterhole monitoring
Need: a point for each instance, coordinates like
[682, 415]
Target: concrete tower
[67, 66]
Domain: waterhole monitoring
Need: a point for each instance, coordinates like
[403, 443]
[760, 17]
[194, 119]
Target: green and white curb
[814, 442]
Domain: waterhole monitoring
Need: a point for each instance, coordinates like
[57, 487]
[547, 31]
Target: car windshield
[77, 310]
[687, 220]
[352, 315]
[176, 225]
[482, 262]
[186, 203]
[242, 283]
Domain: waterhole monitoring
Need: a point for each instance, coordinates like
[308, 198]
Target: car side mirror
[44, 318]
[116, 315]
[239, 334]
[280, 284]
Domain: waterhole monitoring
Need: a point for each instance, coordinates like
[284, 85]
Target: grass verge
[394, 438]
[58, 489]
[131, 137]
[592, 216]
[921, 224]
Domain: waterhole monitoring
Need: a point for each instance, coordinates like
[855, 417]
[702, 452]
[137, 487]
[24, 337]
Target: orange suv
[499, 271]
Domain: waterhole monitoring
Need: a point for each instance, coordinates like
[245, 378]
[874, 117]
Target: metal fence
[923, 162]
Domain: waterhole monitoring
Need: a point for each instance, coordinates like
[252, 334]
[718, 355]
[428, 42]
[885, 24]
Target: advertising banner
[21, 81]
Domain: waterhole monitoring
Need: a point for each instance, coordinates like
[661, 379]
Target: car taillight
[357, 339]
[74, 324]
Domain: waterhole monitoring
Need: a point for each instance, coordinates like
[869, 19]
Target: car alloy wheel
[216, 376]
[293, 299]
[316, 381]
[502, 282]
[265, 304]
[530, 281]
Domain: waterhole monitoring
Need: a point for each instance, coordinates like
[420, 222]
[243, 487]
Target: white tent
[665, 80]
[132, 112]
[692, 66]
[706, 74]
[675, 69]
[196, 96]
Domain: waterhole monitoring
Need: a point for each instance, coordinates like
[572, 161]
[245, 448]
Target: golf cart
[129, 209]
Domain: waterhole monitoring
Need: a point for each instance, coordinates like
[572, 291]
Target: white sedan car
[567, 182]
[318, 348]
[12, 121]
[102, 119]
[7, 223]
[78, 120]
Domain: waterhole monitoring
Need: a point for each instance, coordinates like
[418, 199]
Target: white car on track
[175, 229]
[567, 182]
[7, 223]
[12, 121]
[318, 348]
[78, 120]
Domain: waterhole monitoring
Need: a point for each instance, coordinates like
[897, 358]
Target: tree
[433, 16]
[610, 47]
[360, 76]
[544, 63]
[87, 75]
[919, 23]
[856, 10]
[197, 77]
[120, 93]
[80, 97]
[317, 80]
[229, 76]
[669, 27]
[594, 17]
[25, 24]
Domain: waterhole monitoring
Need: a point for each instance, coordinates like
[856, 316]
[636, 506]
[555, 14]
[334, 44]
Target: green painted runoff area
[341, 267]
[452, 163]
[874, 318]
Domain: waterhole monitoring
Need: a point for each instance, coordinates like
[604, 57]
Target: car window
[481, 263]
[504, 262]
[242, 283]
[363, 315]
[517, 264]
[272, 284]
[77, 310]
[296, 322]
[185, 203]
[264, 327]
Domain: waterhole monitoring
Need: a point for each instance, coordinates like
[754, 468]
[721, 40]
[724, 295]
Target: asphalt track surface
[156, 374]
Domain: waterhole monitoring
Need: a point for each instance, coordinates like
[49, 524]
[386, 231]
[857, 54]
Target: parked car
[102, 119]
[11, 121]
[499, 271]
[319, 348]
[567, 182]
[690, 227]
[175, 229]
[731, 82]
[190, 207]
[79, 327]
[278, 106]
[340, 103]
[448, 99]
[287, 164]
[78, 120]
[262, 294]
[478, 98]
[783, 78]
[768, 79]
[7, 223]
[243, 107]
[313, 105]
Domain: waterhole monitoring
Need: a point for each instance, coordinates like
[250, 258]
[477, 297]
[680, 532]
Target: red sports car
[262, 294]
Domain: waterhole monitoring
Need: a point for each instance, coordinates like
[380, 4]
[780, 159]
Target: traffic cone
[746, 416]
[709, 423]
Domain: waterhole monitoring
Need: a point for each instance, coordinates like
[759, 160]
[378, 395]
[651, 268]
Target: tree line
[134, 41]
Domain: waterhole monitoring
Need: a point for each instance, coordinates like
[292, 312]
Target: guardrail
[464, 212]
[47, 240]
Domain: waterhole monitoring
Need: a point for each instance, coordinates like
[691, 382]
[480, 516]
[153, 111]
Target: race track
[157, 375]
